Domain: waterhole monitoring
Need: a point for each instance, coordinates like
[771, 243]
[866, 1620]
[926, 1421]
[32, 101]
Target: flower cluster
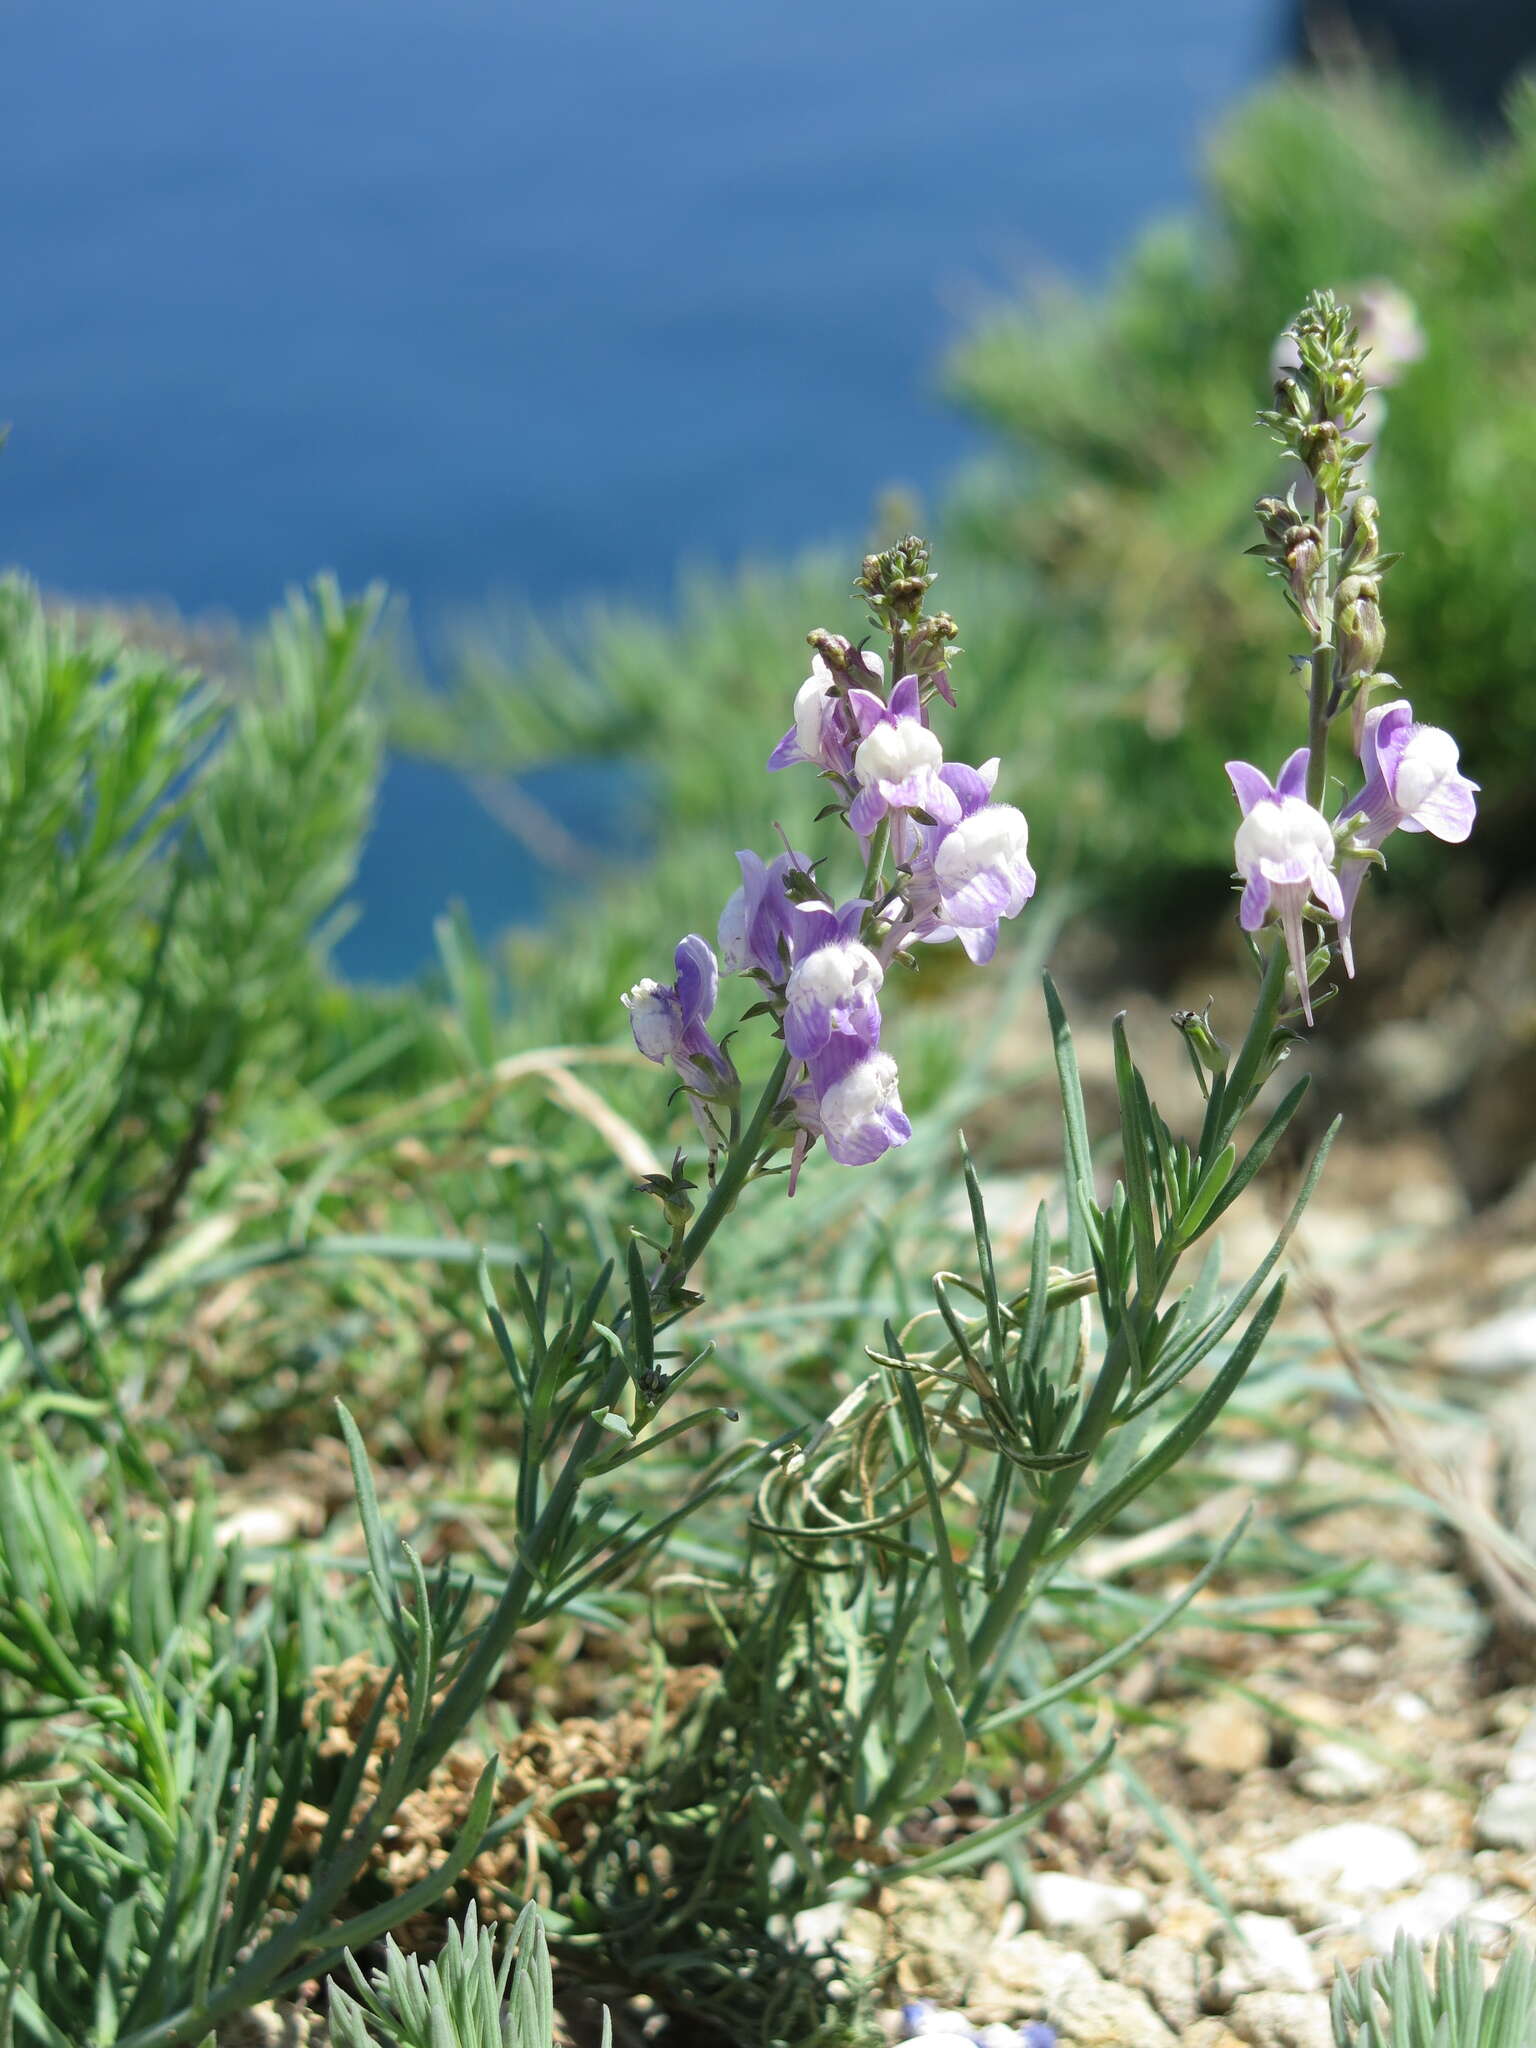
[958, 864]
[1295, 863]
[1322, 542]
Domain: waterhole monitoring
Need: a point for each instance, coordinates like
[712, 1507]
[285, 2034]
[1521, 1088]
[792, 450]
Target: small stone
[1352, 1860]
[819, 1926]
[1357, 1660]
[1059, 1903]
[1282, 2019]
[1267, 1954]
[1169, 1975]
[1209, 2033]
[861, 1941]
[1521, 1767]
[1423, 1917]
[1507, 1817]
[1337, 1770]
[1103, 2015]
[1497, 1349]
[1226, 1735]
[1409, 1707]
[1028, 1971]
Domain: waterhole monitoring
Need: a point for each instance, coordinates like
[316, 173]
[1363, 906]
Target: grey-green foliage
[1398, 2004]
[157, 1681]
[899, 1546]
[170, 849]
[150, 1879]
[464, 1998]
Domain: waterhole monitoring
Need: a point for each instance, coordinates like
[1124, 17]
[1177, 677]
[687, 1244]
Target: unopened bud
[1321, 445]
[897, 579]
[1361, 636]
[834, 650]
[1362, 533]
[1303, 559]
[1201, 1039]
[928, 649]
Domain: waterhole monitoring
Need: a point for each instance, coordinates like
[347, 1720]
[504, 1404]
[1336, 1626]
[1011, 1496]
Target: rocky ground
[1296, 1796]
[1300, 1794]
[1325, 1792]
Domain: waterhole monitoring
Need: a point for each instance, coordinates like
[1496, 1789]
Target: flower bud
[837, 652]
[1362, 533]
[1201, 1039]
[1303, 559]
[896, 580]
[1358, 623]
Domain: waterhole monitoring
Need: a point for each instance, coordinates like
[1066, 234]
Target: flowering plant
[881, 1628]
[941, 862]
[1322, 542]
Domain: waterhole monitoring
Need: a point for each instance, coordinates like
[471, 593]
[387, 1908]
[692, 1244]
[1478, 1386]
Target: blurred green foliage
[171, 851]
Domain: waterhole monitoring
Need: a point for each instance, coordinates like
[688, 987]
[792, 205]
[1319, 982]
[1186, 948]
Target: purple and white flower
[760, 925]
[1284, 852]
[833, 989]
[818, 734]
[968, 876]
[860, 1114]
[670, 1022]
[1413, 783]
[897, 761]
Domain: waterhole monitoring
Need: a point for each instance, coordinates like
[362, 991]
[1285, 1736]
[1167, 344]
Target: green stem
[1320, 693]
[733, 1178]
[878, 847]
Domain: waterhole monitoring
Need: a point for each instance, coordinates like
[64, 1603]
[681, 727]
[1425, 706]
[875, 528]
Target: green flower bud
[1359, 631]
[1201, 1039]
[1362, 533]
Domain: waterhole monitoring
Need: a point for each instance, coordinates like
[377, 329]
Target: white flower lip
[834, 973]
[1429, 758]
[867, 1091]
[896, 749]
[1284, 833]
[995, 836]
[652, 1014]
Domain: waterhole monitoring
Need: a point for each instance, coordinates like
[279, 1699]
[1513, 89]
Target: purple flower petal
[787, 753]
[698, 979]
[970, 785]
[866, 811]
[1255, 903]
[1292, 779]
[1251, 785]
[906, 699]
[1383, 736]
[868, 711]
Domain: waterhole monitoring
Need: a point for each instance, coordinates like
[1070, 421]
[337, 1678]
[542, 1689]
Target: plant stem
[877, 852]
[722, 1199]
[1320, 694]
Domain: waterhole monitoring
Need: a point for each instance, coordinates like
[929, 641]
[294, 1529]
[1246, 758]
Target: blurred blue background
[539, 300]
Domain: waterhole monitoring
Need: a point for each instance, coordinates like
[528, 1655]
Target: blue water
[478, 296]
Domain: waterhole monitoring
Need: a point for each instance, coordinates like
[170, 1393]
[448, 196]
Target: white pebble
[1058, 1901]
[1354, 1859]
[1270, 1956]
[1424, 1916]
